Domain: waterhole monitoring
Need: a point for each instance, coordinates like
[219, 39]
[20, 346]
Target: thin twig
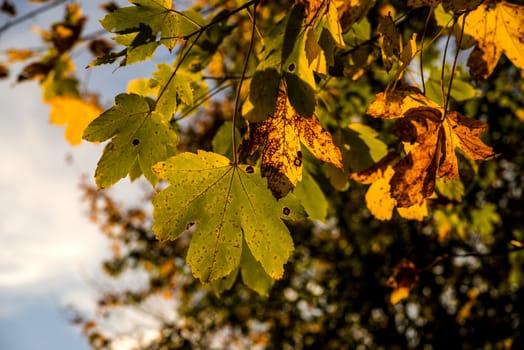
[181, 59]
[421, 58]
[29, 15]
[217, 89]
[445, 257]
[219, 19]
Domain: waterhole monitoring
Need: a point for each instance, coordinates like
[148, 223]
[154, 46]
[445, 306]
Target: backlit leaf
[173, 88]
[75, 113]
[299, 77]
[282, 135]
[227, 204]
[378, 197]
[138, 26]
[430, 142]
[394, 104]
[496, 29]
[253, 274]
[139, 139]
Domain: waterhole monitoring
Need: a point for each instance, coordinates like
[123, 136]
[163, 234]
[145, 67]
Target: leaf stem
[239, 87]
[421, 58]
[217, 89]
[443, 74]
[178, 64]
[454, 66]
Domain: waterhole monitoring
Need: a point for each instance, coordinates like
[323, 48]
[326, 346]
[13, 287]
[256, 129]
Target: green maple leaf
[227, 204]
[174, 87]
[139, 26]
[139, 139]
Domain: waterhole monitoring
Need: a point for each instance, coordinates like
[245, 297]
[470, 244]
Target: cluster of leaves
[219, 133]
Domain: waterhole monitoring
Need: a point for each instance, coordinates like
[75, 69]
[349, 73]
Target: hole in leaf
[286, 211]
[250, 170]
[291, 67]
[136, 142]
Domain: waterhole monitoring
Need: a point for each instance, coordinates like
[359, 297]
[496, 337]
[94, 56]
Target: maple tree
[259, 134]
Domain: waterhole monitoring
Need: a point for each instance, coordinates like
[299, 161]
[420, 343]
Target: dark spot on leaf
[298, 161]
[286, 211]
[136, 142]
[291, 67]
[189, 225]
[250, 170]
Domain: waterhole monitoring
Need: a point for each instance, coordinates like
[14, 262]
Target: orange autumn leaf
[378, 197]
[282, 135]
[394, 104]
[75, 114]
[430, 142]
[402, 280]
[495, 29]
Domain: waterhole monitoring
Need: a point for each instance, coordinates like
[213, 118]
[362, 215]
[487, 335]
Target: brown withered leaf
[402, 280]
[467, 131]
[388, 41]
[100, 47]
[8, 8]
[430, 142]
[415, 174]
[281, 134]
[4, 71]
[352, 11]
[36, 70]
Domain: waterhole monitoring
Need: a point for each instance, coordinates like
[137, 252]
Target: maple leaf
[228, 205]
[144, 26]
[430, 142]
[282, 134]
[402, 280]
[388, 41]
[378, 196]
[396, 103]
[139, 137]
[75, 113]
[496, 29]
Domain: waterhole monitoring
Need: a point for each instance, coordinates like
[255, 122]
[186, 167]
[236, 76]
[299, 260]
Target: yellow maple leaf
[282, 135]
[495, 29]
[378, 197]
[394, 104]
[75, 113]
